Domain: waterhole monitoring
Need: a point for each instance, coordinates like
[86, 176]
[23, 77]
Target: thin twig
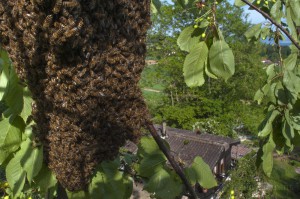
[273, 22]
[172, 161]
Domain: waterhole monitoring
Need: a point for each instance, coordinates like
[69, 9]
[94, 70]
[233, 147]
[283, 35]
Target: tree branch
[170, 158]
[273, 22]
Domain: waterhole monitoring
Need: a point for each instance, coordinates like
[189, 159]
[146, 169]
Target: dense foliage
[227, 105]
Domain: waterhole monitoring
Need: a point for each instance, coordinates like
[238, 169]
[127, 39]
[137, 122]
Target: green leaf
[294, 115]
[151, 157]
[204, 23]
[267, 156]
[276, 11]
[254, 31]
[200, 172]
[13, 95]
[183, 3]
[259, 95]
[193, 67]
[221, 60]
[32, 159]
[151, 164]
[5, 65]
[148, 146]
[3, 156]
[208, 71]
[188, 38]
[290, 62]
[266, 127]
[45, 179]
[15, 174]
[155, 6]
[288, 133]
[11, 133]
[290, 22]
[239, 3]
[291, 81]
[163, 185]
[26, 112]
[109, 182]
[295, 7]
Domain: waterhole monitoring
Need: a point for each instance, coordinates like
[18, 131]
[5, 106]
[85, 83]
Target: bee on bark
[47, 22]
[57, 6]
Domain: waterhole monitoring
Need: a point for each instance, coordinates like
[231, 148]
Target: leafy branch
[273, 22]
[171, 159]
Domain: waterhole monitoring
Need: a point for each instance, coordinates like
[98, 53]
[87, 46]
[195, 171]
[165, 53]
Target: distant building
[214, 150]
[217, 151]
[266, 61]
[151, 62]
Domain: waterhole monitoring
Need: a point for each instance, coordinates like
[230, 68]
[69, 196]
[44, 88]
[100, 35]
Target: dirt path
[151, 90]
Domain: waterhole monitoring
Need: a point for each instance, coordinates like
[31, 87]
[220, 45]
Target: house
[215, 150]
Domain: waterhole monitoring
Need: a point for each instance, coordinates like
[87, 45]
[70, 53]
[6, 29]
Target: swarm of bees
[82, 60]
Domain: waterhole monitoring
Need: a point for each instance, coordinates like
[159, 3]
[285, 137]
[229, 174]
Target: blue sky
[254, 17]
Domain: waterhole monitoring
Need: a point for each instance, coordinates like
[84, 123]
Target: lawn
[285, 181]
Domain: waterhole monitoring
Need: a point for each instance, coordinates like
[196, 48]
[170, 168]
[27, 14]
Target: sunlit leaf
[193, 68]
[239, 3]
[276, 11]
[288, 133]
[188, 38]
[27, 104]
[155, 6]
[32, 159]
[221, 60]
[253, 32]
[15, 174]
[266, 127]
[267, 156]
[109, 182]
[163, 185]
[10, 133]
[200, 172]
[45, 179]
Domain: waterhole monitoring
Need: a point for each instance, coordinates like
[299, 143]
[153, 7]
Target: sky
[254, 17]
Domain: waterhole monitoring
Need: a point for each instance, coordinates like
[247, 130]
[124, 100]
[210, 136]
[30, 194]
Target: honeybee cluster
[82, 60]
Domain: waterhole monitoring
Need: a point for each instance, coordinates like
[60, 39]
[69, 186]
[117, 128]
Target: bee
[76, 80]
[57, 6]
[58, 33]
[71, 32]
[80, 24]
[70, 4]
[65, 13]
[47, 22]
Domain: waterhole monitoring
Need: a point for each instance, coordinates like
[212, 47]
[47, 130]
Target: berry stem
[273, 22]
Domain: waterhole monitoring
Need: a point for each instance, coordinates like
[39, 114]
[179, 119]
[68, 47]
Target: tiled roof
[187, 145]
[239, 151]
[187, 148]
